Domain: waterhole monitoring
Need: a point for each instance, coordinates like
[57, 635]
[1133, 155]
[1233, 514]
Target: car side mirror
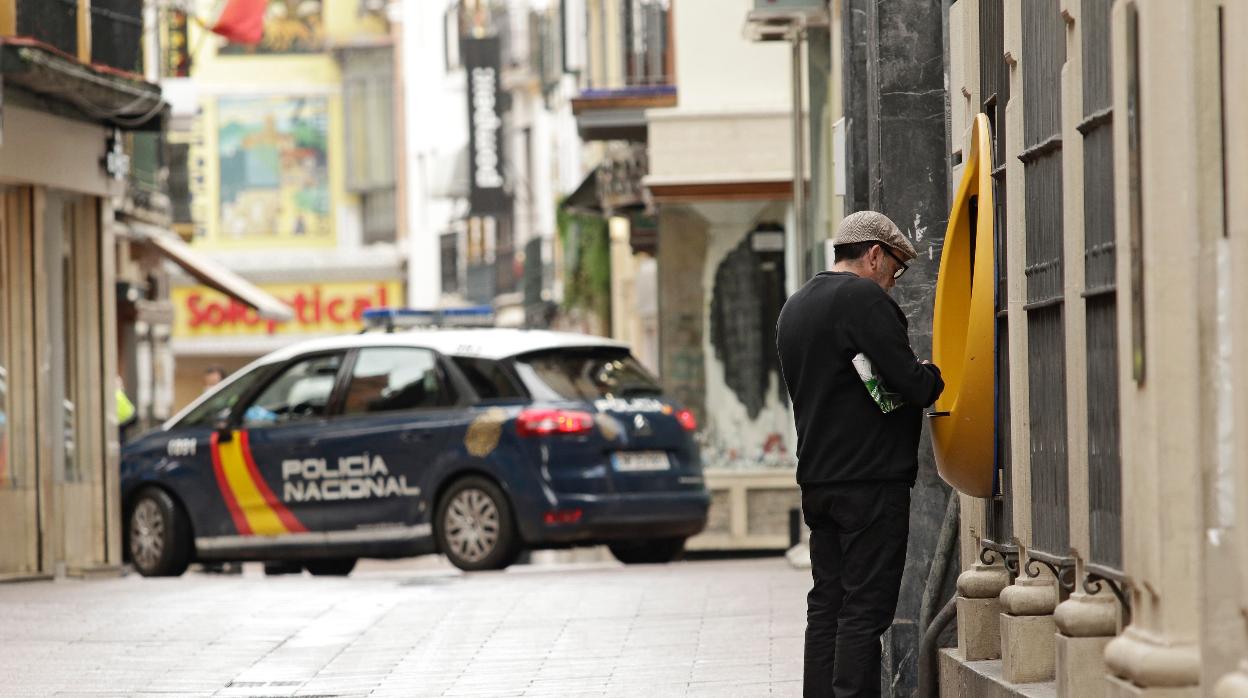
[224, 433]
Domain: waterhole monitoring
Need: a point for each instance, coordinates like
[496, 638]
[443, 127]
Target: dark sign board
[486, 169]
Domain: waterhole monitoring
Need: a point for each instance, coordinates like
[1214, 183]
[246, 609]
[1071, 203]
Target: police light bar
[390, 319]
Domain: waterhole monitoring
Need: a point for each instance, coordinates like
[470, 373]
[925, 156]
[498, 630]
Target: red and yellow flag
[242, 21]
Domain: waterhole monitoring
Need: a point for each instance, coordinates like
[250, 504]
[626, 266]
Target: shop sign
[487, 192]
[326, 308]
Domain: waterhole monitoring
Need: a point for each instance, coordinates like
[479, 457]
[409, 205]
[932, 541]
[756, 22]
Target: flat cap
[873, 226]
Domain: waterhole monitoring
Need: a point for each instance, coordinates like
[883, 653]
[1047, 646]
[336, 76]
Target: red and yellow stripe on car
[252, 504]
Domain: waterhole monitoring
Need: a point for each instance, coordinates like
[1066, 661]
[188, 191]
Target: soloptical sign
[319, 308]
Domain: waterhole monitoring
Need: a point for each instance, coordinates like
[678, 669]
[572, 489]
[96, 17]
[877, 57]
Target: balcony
[629, 68]
[87, 66]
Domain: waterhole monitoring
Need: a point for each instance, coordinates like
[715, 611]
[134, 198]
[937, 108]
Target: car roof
[485, 343]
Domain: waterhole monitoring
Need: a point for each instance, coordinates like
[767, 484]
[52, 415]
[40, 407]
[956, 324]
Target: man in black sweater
[858, 393]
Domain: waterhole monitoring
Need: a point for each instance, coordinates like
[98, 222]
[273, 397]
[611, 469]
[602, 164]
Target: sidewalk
[414, 628]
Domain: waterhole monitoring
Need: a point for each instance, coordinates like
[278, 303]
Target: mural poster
[274, 173]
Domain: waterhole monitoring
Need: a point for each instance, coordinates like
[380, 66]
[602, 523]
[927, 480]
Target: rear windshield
[585, 374]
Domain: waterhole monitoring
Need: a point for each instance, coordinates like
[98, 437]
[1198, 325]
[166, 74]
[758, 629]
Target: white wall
[436, 129]
[717, 67]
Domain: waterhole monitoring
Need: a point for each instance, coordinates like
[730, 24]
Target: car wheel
[657, 550]
[333, 567]
[158, 535]
[475, 528]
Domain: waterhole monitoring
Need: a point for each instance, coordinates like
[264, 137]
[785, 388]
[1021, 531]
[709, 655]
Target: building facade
[291, 179]
[74, 99]
[1110, 561]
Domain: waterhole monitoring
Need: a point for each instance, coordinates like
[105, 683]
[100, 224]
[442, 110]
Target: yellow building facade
[292, 180]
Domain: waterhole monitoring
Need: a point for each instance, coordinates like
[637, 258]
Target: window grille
[994, 81]
[54, 22]
[117, 34]
[1100, 292]
[368, 107]
[1044, 52]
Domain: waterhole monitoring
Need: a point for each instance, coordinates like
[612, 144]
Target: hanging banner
[487, 193]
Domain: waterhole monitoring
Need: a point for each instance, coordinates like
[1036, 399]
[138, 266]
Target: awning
[584, 199]
[211, 273]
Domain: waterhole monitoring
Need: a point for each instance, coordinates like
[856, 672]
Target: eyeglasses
[897, 274]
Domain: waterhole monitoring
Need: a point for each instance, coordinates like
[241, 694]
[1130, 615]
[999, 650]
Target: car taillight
[550, 422]
[687, 420]
[562, 516]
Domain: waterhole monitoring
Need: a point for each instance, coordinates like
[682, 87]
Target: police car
[475, 443]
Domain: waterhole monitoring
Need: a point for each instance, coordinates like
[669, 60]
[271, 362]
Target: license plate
[640, 461]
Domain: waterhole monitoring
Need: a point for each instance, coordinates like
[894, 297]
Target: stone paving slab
[413, 628]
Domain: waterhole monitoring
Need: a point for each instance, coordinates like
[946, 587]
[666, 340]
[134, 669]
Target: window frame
[446, 371]
[508, 367]
[276, 371]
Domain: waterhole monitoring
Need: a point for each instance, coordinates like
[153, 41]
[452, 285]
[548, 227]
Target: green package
[886, 400]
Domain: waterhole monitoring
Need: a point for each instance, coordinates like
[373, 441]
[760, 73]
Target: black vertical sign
[486, 171]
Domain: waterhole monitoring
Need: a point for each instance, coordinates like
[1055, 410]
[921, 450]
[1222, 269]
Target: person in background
[213, 375]
[858, 395]
[126, 416]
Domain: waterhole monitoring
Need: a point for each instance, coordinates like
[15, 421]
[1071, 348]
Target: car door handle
[415, 436]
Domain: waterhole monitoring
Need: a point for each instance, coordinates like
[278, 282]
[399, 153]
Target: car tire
[653, 551]
[331, 567]
[475, 527]
[158, 535]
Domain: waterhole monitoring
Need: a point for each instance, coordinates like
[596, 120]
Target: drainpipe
[801, 238]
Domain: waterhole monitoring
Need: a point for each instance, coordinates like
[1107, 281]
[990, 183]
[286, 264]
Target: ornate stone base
[1080, 666]
[1027, 648]
[1117, 688]
[979, 628]
[979, 611]
[1143, 661]
[1233, 685]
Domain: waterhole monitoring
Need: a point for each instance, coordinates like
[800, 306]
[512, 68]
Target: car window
[222, 403]
[585, 374]
[300, 392]
[385, 379]
[489, 379]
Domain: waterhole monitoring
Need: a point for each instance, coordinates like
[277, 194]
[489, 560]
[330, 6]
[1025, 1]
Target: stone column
[1235, 112]
[1085, 622]
[1168, 219]
[1027, 628]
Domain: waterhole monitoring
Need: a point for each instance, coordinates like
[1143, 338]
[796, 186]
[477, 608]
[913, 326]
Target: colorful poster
[290, 26]
[274, 170]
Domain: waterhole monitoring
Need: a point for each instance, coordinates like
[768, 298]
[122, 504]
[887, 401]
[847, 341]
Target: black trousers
[858, 534]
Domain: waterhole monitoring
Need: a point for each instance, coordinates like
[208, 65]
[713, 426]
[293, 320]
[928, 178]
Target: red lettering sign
[312, 306]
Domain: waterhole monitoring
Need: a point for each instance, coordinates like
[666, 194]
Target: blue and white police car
[475, 443]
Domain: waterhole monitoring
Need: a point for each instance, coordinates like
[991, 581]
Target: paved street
[414, 628]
